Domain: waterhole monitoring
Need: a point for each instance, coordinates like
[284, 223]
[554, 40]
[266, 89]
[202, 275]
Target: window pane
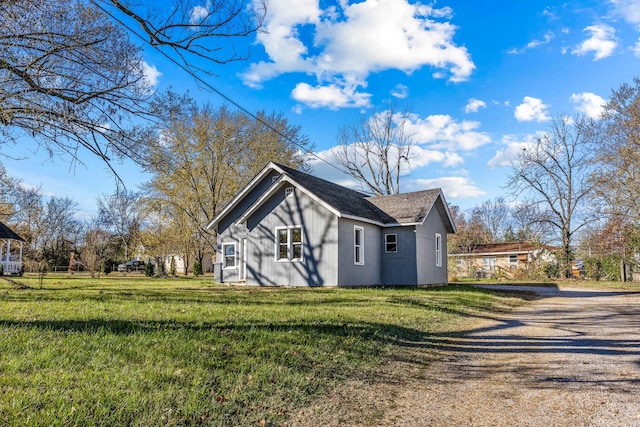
[392, 247]
[229, 250]
[358, 236]
[296, 235]
[282, 254]
[297, 251]
[283, 236]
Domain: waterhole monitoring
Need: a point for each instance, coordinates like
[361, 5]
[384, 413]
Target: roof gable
[399, 209]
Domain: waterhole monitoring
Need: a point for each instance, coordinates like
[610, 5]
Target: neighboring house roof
[393, 210]
[503, 249]
[7, 233]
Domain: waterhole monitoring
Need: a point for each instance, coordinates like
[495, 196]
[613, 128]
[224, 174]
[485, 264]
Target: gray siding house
[289, 228]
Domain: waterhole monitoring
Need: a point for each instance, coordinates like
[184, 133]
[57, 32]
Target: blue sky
[481, 79]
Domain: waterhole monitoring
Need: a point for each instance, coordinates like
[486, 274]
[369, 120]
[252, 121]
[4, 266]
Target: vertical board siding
[428, 273]
[400, 268]
[369, 274]
[319, 242]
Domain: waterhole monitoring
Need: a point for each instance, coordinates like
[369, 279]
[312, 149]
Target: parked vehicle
[132, 265]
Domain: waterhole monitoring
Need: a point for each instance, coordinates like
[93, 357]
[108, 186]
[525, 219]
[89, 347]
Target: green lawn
[137, 351]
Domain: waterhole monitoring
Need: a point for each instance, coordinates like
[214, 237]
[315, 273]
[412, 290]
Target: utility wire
[211, 87]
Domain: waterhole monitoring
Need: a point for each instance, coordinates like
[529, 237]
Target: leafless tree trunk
[554, 173]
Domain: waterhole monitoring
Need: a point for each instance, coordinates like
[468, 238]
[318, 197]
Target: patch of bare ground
[571, 358]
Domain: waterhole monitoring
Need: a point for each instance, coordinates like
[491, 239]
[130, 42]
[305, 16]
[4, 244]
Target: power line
[211, 87]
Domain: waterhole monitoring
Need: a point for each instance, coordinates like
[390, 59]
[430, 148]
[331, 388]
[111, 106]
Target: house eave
[271, 191]
[234, 202]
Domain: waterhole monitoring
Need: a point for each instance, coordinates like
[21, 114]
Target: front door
[243, 261]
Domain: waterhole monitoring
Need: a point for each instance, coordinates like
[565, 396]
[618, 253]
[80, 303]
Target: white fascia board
[234, 202]
[274, 188]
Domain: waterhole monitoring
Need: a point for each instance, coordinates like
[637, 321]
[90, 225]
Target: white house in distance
[290, 228]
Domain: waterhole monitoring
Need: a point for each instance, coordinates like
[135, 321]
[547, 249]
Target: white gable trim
[234, 202]
[272, 190]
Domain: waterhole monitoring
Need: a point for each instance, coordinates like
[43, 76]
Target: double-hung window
[289, 244]
[229, 253]
[391, 243]
[358, 245]
[438, 250]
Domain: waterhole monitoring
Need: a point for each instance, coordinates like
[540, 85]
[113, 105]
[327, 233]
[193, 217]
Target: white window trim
[289, 258]
[386, 243]
[360, 247]
[235, 256]
[438, 242]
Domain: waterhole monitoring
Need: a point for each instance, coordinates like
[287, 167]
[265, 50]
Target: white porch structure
[10, 253]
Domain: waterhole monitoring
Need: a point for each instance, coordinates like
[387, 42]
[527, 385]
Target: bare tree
[119, 213]
[554, 173]
[530, 222]
[495, 216]
[617, 135]
[375, 150]
[72, 80]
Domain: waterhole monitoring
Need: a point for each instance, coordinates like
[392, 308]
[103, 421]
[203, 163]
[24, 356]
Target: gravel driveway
[570, 358]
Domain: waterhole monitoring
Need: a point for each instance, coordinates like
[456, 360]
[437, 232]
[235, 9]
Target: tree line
[576, 186]
[74, 83]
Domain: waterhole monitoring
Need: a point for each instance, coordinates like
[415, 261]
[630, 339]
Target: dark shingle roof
[7, 233]
[404, 208]
[407, 208]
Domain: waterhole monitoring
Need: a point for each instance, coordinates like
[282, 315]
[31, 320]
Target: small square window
[391, 243]
[288, 191]
[274, 178]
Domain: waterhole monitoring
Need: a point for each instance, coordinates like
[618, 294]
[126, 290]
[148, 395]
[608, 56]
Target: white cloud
[453, 187]
[151, 73]
[548, 36]
[532, 109]
[347, 42]
[474, 105]
[588, 103]
[629, 10]
[602, 42]
[400, 91]
[333, 96]
[445, 133]
[636, 49]
[512, 147]
[199, 13]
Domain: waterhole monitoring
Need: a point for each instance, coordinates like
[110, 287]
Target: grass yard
[145, 352]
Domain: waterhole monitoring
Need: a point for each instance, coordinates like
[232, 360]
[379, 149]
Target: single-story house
[487, 260]
[291, 228]
[10, 264]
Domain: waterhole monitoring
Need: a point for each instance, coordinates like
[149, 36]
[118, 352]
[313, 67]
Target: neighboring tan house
[290, 228]
[10, 264]
[491, 259]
